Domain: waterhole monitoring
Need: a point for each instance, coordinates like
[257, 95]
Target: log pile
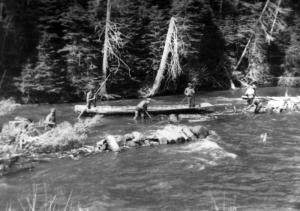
[170, 134]
[283, 105]
[12, 162]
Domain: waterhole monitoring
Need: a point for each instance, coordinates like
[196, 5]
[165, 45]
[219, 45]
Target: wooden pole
[163, 62]
[105, 48]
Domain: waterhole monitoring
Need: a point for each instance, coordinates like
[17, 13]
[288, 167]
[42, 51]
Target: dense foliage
[52, 50]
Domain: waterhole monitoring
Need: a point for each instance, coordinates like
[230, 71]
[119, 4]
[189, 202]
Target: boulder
[131, 144]
[200, 131]
[137, 136]
[173, 118]
[101, 145]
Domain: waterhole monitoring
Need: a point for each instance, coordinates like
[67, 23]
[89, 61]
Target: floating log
[165, 109]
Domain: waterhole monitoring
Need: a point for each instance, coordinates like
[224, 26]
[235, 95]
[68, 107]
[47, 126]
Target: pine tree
[81, 50]
[292, 59]
[43, 80]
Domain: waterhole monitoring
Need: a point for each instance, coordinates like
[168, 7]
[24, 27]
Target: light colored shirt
[89, 96]
[51, 118]
[250, 92]
[189, 92]
[143, 105]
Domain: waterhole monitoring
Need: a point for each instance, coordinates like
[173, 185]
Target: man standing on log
[90, 98]
[141, 109]
[189, 93]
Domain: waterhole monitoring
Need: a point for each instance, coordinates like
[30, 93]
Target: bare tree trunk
[105, 49]
[163, 62]
[252, 35]
[2, 78]
[221, 8]
[9, 20]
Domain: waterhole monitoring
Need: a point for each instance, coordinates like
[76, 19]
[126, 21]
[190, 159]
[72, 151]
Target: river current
[245, 173]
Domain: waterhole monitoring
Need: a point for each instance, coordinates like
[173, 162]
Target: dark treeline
[52, 50]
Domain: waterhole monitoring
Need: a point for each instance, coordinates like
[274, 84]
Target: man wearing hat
[90, 98]
[141, 109]
[189, 93]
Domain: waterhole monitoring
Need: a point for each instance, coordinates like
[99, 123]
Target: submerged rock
[200, 131]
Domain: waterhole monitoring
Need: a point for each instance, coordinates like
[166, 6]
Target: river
[263, 175]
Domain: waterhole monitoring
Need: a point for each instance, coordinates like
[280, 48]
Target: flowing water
[247, 172]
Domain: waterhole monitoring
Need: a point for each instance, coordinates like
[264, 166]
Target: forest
[55, 50]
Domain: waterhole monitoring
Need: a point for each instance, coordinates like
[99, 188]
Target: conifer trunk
[105, 49]
[2, 51]
[160, 73]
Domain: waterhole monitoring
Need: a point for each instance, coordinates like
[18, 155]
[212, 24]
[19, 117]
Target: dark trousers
[139, 112]
[90, 102]
[191, 101]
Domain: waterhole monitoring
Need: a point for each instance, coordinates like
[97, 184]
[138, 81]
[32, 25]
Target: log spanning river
[260, 174]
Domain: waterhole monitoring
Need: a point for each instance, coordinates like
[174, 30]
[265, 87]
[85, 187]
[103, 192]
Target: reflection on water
[240, 170]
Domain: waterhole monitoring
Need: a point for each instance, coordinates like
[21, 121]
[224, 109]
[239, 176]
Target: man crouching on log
[141, 109]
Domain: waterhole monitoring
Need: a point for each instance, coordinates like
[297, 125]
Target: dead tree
[6, 27]
[263, 29]
[105, 48]
[112, 43]
[171, 49]
[252, 35]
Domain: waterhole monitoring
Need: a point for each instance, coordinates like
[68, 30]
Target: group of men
[142, 108]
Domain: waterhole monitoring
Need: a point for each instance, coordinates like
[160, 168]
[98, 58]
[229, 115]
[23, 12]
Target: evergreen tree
[292, 59]
[81, 51]
[43, 80]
